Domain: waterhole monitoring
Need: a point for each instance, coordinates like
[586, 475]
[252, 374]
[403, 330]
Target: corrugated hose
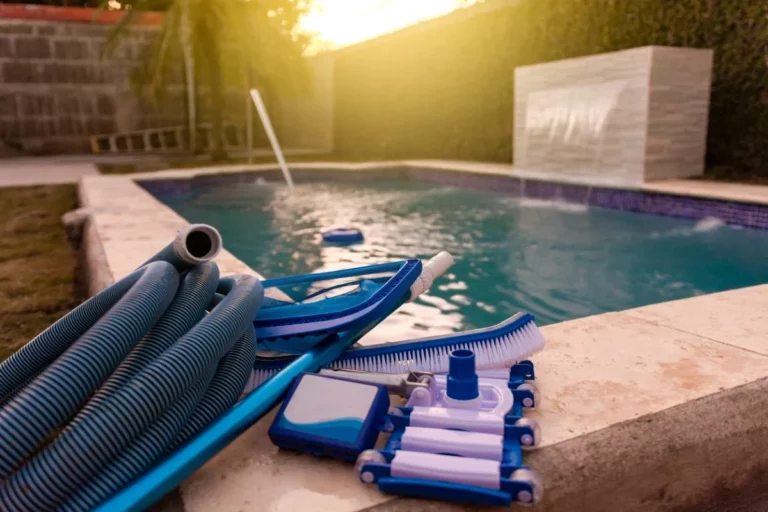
[125, 378]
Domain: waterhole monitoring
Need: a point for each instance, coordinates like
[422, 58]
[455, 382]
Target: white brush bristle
[500, 352]
[503, 351]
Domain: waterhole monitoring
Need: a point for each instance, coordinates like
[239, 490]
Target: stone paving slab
[699, 188]
[736, 317]
[17, 172]
[700, 456]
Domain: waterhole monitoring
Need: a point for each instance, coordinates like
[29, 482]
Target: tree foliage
[233, 43]
[445, 90]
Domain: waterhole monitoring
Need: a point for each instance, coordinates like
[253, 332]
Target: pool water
[558, 261]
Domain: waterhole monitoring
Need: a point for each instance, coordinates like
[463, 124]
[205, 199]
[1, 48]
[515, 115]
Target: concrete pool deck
[655, 408]
[20, 172]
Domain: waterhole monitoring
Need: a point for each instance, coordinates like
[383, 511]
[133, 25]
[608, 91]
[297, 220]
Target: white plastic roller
[446, 468]
[460, 419]
[430, 271]
[454, 442]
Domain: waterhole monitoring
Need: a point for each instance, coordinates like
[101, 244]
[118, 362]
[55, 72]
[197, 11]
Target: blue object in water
[330, 416]
[343, 236]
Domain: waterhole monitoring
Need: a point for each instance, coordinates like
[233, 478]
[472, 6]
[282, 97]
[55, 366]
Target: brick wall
[56, 89]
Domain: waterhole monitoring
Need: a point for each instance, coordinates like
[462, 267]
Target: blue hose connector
[462, 379]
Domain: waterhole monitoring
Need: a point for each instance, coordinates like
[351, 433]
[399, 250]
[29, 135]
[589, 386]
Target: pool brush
[499, 346]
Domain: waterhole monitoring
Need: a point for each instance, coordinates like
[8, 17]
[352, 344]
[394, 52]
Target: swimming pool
[556, 260]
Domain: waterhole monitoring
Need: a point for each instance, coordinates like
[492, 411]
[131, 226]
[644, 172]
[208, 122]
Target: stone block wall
[56, 88]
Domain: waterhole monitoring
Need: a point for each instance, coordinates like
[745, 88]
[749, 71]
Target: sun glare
[337, 23]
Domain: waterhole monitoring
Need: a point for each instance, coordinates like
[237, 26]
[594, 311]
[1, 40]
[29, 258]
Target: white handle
[430, 271]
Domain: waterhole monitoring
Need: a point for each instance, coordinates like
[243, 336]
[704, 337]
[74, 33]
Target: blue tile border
[732, 212]
[182, 186]
[639, 201]
[166, 187]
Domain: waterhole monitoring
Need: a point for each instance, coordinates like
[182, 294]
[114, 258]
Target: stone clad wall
[678, 111]
[56, 89]
[583, 119]
[616, 118]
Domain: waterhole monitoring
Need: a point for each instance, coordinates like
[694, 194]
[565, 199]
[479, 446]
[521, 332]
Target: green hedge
[445, 89]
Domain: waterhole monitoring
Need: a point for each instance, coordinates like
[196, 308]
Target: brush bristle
[502, 351]
[498, 352]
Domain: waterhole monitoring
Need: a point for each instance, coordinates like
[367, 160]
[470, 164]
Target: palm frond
[230, 41]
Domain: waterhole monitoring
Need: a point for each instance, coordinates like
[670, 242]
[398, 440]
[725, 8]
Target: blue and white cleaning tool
[458, 402]
[330, 417]
[343, 236]
[496, 349]
[450, 478]
[336, 301]
[294, 327]
[497, 407]
[454, 441]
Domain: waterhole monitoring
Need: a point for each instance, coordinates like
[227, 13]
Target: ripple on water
[556, 260]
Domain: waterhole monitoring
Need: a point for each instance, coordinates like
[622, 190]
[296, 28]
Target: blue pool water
[555, 260]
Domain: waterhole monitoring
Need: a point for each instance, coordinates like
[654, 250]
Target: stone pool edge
[126, 225]
[736, 204]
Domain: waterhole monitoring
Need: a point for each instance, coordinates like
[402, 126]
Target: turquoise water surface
[557, 261]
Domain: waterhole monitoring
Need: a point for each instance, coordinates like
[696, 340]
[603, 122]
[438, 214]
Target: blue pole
[169, 473]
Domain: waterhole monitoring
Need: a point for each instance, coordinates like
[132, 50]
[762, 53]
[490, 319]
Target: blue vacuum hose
[125, 378]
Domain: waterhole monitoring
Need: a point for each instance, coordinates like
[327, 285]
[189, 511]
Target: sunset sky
[342, 22]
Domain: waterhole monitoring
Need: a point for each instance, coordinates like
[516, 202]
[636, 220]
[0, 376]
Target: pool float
[343, 236]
